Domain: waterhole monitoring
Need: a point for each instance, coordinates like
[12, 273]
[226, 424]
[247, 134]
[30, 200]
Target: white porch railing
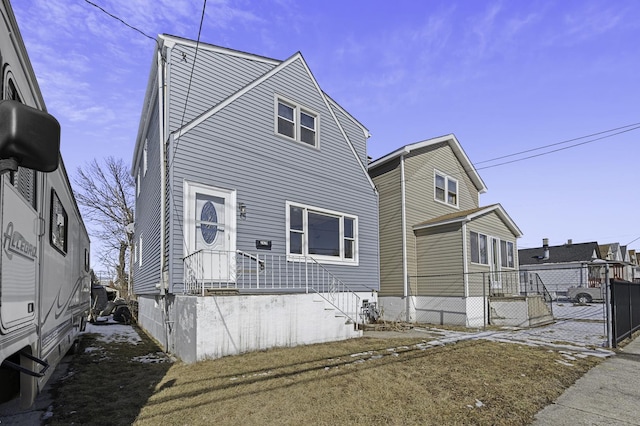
[217, 270]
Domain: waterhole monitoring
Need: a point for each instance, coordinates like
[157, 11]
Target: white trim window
[138, 184]
[479, 252]
[507, 254]
[296, 122]
[445, 189]
[327, 236]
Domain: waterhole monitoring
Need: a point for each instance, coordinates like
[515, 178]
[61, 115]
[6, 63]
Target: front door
[211, 231]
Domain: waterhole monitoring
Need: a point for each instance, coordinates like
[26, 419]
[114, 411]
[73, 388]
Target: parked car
[585, 294]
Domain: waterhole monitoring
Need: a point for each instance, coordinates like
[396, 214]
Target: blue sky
[503, 76]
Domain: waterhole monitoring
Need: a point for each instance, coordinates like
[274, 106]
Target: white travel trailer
[44, 260]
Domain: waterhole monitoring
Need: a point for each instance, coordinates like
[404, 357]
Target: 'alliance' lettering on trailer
[15, 243]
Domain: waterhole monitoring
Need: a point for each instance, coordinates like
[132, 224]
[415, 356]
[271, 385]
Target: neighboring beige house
[620, 263]
[437, 245]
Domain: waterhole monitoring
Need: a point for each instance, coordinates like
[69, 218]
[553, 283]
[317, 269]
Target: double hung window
[296, 122]
[322, 234]
[446, 189]
[479, 252]
[506, 253]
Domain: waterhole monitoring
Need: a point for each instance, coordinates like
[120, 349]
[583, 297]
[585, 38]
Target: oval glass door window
[208, 216]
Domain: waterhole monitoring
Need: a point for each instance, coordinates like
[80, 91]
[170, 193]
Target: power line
[121, 20]
[559, 149]
[184, 110]
[558, 143]
[186, 99]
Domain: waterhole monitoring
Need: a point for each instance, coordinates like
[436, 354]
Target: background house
[563, 266]
[620, 266]
[256, 221]
[437, 245]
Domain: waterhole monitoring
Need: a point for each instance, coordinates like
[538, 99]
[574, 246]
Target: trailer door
[19, 253]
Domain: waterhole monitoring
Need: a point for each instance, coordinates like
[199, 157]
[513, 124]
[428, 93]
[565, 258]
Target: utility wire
[184, 111]
[186, 99]
[556, 150]
[121, 20]
[558, 143]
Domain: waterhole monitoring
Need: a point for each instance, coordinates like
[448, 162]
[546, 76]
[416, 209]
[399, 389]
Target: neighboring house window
[138, 184]
[58, 226]
[322, 234]
[446, 189]
[479, 248]
[144, 158]
[296, 122]
[506, 254]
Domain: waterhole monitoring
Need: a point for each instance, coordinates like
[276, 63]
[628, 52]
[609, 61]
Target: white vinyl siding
[222, 151]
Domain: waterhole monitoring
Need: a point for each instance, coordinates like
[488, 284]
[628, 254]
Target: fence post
[607, 302]
[485, 303]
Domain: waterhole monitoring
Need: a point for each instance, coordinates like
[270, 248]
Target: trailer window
[59, 221]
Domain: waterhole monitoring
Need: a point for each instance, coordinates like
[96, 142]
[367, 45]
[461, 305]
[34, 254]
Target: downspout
[163, 174]
[163, 184]
[404, 240]
[465, 266]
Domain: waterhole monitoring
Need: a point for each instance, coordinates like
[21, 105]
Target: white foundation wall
[215, 326]
[468, 312]
[151, 319]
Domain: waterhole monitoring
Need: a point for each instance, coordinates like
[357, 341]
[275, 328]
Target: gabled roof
[166, 40]
[566, 253]
[455, 146]
[469, 215]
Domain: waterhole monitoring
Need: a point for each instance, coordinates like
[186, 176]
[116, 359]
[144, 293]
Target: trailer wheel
[583, 298]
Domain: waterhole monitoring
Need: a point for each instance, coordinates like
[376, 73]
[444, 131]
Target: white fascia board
[468, 218]
[455, 146]
[171, 41]
[444, 222]
[146, 106]
[502, 214]
[205, 115]
[363, 167]
[365, 131]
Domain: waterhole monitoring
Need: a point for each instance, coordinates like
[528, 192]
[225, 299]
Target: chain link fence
[554, 305]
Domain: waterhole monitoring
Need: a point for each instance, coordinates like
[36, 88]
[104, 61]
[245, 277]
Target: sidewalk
[609, 394]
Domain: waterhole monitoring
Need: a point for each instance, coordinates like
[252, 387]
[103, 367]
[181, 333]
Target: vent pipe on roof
[545, 247]
[569, 242]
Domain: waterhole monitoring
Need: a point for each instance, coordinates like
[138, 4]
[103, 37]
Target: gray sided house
[256, 221]
[564, 266]
[437, 245]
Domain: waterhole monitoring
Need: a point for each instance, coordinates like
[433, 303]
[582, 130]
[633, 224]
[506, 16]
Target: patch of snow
[114, 333]
[154, 358]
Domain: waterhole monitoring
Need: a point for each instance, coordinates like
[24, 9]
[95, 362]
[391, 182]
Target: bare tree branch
[105, 194]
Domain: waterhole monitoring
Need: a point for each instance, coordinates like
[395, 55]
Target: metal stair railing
[207, 269]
